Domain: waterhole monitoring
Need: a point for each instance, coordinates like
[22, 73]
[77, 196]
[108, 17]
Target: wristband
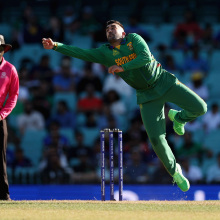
[55, 46]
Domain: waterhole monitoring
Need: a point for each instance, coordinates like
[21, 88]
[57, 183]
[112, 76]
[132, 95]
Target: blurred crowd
[69, 105]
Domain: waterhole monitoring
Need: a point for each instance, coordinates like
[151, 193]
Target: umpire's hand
[48, 43]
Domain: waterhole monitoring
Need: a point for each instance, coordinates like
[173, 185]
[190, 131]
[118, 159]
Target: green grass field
[54, 209]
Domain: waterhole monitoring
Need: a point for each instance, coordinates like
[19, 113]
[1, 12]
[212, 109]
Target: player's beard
[112, 38]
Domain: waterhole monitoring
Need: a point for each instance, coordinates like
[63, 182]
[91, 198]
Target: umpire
[9, 87]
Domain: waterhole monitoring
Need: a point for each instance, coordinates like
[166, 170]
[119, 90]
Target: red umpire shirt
[9, 86]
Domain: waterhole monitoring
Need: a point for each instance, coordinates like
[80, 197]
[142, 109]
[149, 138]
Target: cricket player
[129, 57]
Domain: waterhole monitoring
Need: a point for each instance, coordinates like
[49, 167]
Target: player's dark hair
[114, 22]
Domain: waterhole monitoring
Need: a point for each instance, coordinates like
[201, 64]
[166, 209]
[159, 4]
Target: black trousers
[4, 187]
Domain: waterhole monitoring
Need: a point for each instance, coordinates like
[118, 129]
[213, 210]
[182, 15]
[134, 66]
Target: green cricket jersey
[141, 70]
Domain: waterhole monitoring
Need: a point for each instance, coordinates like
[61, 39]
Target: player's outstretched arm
[90, 55]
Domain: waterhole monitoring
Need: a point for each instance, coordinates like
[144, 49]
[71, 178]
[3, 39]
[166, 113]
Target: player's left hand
[115, 69]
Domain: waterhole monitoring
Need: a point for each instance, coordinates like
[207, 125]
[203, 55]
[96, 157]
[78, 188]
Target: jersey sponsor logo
[130, 46]
[3, 75]
[125, 59]
[115, 52]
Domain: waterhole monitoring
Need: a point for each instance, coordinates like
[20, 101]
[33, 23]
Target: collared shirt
[9, 85]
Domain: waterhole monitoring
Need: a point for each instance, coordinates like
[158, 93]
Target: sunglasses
[1, 48]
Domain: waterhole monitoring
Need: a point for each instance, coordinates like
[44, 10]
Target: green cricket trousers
[153, 117]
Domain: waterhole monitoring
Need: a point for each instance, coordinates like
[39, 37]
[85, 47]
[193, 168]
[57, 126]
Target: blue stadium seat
[33, 52]
[9, 57]
[207, 163]
[212, 81]
[32, 145]
[55, 58]
[90, 135]
[12, 121]
[216, 29]
[5, 30]
[9, 173]
[215, 58]
[74, 162]
[69, 97]
[158, 34]
[80, 120]
[130, 103]
[69, 134]
[213, 100]
[151, 29]
[166, 33]
[198, 136]
[186, 77]
[212, 140]
[178, 56]
[153, 49]
[81, 41]
[123, 121]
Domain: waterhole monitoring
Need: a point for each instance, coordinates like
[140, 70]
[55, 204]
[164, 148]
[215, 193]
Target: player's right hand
[47, 43]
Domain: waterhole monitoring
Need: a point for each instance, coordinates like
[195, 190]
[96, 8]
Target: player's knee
[203, 108]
